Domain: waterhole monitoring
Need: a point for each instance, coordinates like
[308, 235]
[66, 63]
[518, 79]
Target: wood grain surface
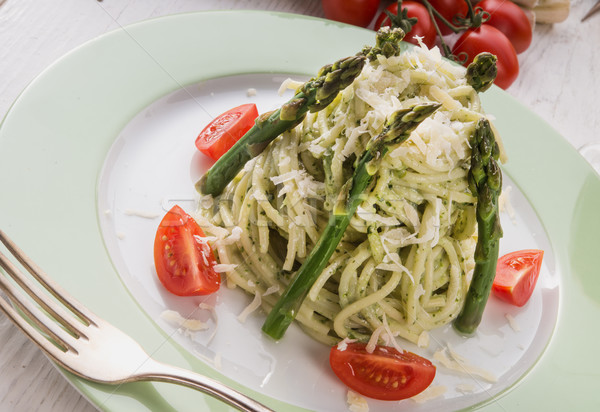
[559, 80]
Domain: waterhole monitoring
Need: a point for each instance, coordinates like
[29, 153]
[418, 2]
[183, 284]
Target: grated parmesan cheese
[271, 290]
[391, 262]
[357, 403]
[373, 216]
[306, 185]
[423, 341]
[213, 315]
[374, 339]
[288, 84]
[391, 335]
[458, 363]
[512, 322]
[218, 361]
[224, 267]
[234, 237]
[343, 344]
[141, 213]
[255, 304]
[204, 239]
[465, 387]
[505, 205]
[431, 392]
[174, 318]
[444, 98]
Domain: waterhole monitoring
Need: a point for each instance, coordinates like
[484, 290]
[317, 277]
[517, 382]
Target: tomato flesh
[226, 129]
[385, 374]
[423, 28]
[516, 276]
[184, 263]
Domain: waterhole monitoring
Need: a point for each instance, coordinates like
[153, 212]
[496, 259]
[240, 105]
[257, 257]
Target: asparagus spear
[485, 181]
[397, 130]
[482, 71]
[313, 95]
[387, 43]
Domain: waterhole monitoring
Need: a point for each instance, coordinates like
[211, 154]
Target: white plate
[153, 165]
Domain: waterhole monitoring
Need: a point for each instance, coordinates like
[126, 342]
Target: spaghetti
[405, 261]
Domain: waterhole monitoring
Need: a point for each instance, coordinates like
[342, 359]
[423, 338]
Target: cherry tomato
[516, 275]
[385, 374]
[511, 20]
[424, 26]
[226, 129]
[449, 9]
[184, 264]
[356, 12]
[489, 39]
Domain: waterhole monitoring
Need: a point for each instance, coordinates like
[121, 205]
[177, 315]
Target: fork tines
[48, 311]
[85, 344]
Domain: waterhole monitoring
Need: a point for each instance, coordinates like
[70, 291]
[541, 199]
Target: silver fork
[87, 345]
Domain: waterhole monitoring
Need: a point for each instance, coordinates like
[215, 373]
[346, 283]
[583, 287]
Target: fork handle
[157, 371]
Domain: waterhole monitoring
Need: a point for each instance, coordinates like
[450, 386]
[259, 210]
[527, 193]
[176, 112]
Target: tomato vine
[496, 26]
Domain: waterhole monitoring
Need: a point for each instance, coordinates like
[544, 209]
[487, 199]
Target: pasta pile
[404, 264]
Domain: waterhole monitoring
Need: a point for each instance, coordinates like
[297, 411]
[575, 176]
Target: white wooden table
[559, 80]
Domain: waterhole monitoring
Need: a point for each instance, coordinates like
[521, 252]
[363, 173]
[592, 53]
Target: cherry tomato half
[385, 374]
[449, 9]
[184, 263]
[516, 275]
[423, 28]
[226, 129]
[489, 39]
[511, 20]
[356, 12]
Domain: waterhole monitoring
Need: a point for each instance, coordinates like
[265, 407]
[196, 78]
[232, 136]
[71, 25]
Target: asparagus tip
[482, 71]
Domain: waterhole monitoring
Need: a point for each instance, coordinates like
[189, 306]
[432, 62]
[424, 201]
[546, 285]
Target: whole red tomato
[489, 39]
[448, 9]
[507, 17]
[423, 28]
[356, 12]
